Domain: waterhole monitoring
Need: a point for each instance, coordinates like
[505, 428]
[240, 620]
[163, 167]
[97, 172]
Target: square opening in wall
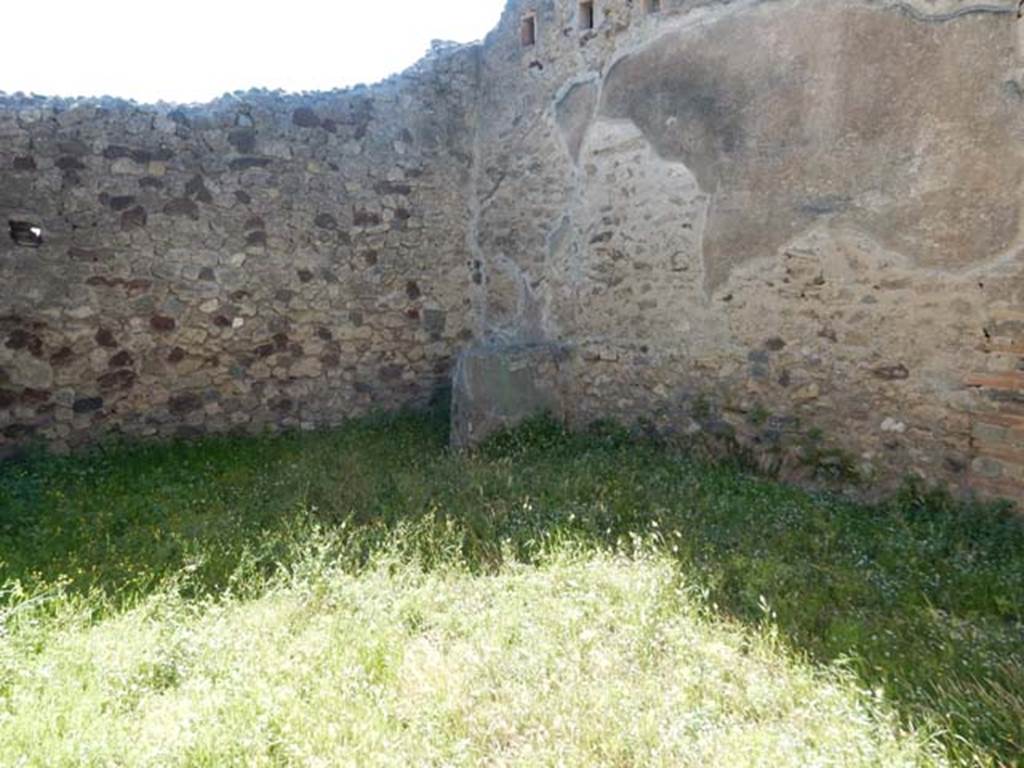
[653, 6]
[26, 233]
[528, 30]
[587, 15]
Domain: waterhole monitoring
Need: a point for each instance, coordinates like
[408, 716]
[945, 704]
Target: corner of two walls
[265, 261]
[793, 224]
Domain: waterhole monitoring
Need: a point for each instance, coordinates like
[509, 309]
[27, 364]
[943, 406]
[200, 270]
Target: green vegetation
[364, 597]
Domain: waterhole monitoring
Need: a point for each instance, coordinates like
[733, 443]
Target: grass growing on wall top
[362, 596]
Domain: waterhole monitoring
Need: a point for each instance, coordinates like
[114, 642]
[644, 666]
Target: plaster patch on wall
[850, 174]
[799, 125]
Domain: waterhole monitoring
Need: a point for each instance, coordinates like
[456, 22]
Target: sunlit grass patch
[582, 660]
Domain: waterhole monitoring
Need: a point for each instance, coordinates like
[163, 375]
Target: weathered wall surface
[795, 222]
[262, 261]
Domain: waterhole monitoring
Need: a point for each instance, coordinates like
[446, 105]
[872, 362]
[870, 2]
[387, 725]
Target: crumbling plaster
[795, 224]
[770, 220]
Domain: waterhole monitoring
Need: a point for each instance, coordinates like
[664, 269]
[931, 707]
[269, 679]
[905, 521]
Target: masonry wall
[263, 261]
[794, 223]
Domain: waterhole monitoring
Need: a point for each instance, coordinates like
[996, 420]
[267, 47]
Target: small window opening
[26, 234]
[528, 32]
[653, 6]
[587, 15]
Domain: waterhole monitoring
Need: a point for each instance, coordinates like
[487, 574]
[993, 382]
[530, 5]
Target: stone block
[495, 387]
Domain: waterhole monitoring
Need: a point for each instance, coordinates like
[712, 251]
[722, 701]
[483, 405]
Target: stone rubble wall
[263, 261]
[793, 224]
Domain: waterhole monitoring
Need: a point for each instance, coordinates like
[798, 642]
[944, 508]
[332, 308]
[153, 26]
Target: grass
[581, 661]
[365, 597]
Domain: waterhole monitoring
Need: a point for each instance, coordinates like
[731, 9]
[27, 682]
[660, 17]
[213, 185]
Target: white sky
[196, 50]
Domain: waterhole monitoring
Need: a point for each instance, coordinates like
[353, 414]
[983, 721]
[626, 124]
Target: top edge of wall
[439, 52]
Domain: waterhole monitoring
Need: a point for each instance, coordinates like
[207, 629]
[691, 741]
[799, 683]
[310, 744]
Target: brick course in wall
[997, 420]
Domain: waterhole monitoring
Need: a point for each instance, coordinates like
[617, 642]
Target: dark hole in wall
[26, 233]
[652, 6]
[587, 15]
[528, 30]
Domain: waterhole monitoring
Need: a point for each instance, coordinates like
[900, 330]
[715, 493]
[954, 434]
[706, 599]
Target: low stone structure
[494, 388]
[795, 223]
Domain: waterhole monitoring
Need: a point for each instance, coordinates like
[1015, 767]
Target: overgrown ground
[364, 597]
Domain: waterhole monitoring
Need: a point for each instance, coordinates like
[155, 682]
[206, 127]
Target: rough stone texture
[792, 224]
[498, 387]
[237, 266]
